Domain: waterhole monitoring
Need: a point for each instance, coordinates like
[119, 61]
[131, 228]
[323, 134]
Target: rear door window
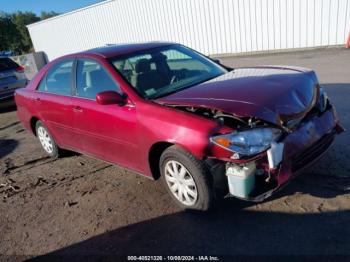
[58, 80]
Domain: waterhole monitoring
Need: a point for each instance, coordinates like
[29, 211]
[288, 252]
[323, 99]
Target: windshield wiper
[162, 94]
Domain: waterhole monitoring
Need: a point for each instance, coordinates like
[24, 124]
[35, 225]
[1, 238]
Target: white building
[209, 26]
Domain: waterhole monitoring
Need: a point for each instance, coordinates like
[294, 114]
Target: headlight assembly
[249, 142]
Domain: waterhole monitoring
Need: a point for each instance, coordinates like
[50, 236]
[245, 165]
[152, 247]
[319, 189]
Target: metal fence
[210, 26]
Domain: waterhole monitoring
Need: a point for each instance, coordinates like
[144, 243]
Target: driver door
[105, 131]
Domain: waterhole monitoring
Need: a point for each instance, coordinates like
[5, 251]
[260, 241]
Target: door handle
[36, 99]
[77, 109]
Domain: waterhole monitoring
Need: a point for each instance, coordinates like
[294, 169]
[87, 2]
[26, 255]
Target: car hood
[271, 93]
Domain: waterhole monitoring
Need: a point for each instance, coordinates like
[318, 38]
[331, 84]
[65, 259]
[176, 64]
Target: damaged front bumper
[272, 170]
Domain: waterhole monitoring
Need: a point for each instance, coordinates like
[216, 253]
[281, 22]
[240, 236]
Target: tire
[46, 140]
[197, 179]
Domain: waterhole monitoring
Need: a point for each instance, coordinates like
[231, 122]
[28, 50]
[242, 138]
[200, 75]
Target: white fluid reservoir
[241, 179]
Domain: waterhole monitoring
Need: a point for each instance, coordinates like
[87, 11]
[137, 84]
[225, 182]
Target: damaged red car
[166, 111]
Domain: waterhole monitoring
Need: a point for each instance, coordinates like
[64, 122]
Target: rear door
[53, 102]
[106, 131]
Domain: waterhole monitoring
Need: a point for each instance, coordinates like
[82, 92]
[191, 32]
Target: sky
[36, 6]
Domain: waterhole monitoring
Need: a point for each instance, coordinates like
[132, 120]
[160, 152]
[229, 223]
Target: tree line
[14, 35]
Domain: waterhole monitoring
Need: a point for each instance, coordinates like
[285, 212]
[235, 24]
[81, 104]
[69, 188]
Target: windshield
[161, 71]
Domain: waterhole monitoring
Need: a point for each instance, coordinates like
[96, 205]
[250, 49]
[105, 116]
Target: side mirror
[110, 97]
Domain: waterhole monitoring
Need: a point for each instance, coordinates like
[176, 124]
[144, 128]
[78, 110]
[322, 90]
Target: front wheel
[187, 179]
[46, 140]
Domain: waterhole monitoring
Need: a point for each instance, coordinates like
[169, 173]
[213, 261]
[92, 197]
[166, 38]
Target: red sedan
[166, 111]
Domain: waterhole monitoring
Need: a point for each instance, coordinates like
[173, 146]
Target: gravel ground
[83, 206]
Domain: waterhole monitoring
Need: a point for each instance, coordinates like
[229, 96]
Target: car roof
[121, 49]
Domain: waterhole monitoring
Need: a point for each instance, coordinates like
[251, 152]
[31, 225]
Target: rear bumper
[8, 91]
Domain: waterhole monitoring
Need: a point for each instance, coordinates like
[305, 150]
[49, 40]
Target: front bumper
[302, 147]
[309, 142]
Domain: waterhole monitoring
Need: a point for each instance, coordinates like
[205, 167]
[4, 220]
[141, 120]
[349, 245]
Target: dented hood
[270, 93]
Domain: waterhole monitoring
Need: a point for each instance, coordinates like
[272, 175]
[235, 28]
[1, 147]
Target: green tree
[20, 20]
[9, 34]
[14, 34]
[46, 15]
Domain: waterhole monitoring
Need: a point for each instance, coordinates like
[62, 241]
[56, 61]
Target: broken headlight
[249, 142]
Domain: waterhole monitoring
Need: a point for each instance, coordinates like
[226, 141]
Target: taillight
[20, 69]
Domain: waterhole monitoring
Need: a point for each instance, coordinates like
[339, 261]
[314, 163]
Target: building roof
[70, 12]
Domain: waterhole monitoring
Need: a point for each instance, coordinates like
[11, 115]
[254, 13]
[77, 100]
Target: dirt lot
[80, 205]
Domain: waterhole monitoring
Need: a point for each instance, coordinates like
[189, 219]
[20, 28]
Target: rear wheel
[187, 179]
[46, 140]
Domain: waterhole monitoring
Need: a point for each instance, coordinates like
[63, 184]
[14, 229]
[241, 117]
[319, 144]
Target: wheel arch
[156, 150]
[154, 154]
[32, 123]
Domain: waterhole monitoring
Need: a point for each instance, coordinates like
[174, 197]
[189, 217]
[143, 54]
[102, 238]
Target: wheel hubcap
[181, 183]
[45, 140]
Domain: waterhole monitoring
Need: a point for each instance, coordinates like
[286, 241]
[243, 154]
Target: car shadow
[234, 228]
[314, 184]
[7, 146]
[230, 231]
[7, 105]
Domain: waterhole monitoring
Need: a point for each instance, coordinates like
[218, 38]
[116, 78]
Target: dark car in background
[11, 77]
